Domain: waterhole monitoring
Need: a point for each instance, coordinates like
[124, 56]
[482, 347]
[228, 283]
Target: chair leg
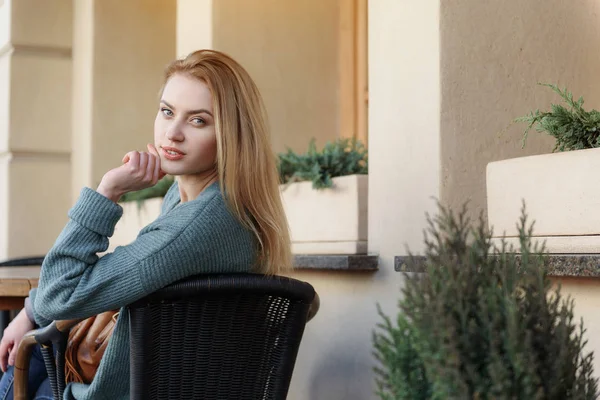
[61, 348]
[50, 361]
[22, 366]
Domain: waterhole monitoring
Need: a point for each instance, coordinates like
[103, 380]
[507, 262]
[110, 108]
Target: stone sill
[559, 265]
[336, 262]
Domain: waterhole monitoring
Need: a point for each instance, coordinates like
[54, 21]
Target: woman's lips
[171, 153]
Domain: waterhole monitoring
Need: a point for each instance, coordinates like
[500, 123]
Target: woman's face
[184, 129]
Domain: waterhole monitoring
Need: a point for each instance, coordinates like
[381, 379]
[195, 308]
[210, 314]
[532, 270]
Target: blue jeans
[38, 386]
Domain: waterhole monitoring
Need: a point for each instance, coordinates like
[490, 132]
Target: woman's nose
[174, 133]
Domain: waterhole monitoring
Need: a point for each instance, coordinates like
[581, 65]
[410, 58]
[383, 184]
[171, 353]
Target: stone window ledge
[337, 262]
[559, 265]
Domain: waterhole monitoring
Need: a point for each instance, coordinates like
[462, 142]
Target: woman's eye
[198, 121]
[167, 112]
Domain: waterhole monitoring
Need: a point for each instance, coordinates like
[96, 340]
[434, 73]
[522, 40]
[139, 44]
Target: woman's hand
[12, 337]
[140, 170]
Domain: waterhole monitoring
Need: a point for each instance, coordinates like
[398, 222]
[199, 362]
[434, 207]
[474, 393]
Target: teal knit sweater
[199, 236]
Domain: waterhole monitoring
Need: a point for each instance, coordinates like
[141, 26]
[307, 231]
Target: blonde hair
[246, 163]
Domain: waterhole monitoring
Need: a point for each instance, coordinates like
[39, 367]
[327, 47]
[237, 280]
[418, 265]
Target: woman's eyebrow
[200, 111]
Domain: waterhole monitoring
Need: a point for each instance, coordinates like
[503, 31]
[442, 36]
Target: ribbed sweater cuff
[37, 319]
[29, 310]
[96, 212]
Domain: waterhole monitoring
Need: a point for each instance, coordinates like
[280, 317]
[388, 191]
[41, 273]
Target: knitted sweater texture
[198, 236]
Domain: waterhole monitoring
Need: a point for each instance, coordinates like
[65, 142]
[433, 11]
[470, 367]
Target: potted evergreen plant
[325, 197]
[481, 323]
[324, 193]
[559, 188]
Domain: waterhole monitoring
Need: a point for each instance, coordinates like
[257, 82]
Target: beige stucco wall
[335, 359]
[290, 48]
[493, 54]
[586, 294]
[194, 25]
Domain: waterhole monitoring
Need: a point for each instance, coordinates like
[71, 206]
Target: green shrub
[339, 158]
[573, 127]
[481, 323]
[401, 374]
[158, 190]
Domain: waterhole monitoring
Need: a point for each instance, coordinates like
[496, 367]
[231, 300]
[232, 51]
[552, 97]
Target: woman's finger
[150, 168]
[156, 172]
[159, 172]
[152, 149]
[13, 355]
[128, 156]
[4, 353]
[134, 158]
[143, 163]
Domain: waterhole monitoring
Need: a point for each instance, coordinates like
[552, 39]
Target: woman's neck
[190, 186]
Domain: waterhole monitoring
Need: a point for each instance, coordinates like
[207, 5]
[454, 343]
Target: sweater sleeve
[76, 283]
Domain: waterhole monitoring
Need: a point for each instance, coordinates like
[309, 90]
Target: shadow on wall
[339, 377]
[335, 360]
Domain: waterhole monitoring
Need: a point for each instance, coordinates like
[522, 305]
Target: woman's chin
[171, 174]
[169, 170]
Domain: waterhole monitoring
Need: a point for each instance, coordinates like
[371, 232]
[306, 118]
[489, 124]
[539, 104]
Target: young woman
[223, 214]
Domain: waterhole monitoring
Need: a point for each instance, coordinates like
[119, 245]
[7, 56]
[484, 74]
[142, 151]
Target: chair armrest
[54, 331]
[43, 336]
[22, 365]
[314, 307]
[66, 325]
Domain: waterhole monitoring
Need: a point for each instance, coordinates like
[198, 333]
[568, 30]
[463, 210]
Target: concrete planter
[561, 193]
[134, 218]
[328, 221]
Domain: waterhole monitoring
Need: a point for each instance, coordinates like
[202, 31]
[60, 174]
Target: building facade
[431, 86]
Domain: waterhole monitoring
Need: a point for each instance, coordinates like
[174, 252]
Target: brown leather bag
[86, 346]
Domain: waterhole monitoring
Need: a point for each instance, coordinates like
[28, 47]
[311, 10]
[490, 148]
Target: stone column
[120, 50]
[35, 115]
[194, 25]
[404, 124]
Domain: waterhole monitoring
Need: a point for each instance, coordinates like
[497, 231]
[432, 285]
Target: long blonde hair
[246, 163]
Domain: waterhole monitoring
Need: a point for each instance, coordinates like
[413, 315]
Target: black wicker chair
[233, 336]
[24, 261]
